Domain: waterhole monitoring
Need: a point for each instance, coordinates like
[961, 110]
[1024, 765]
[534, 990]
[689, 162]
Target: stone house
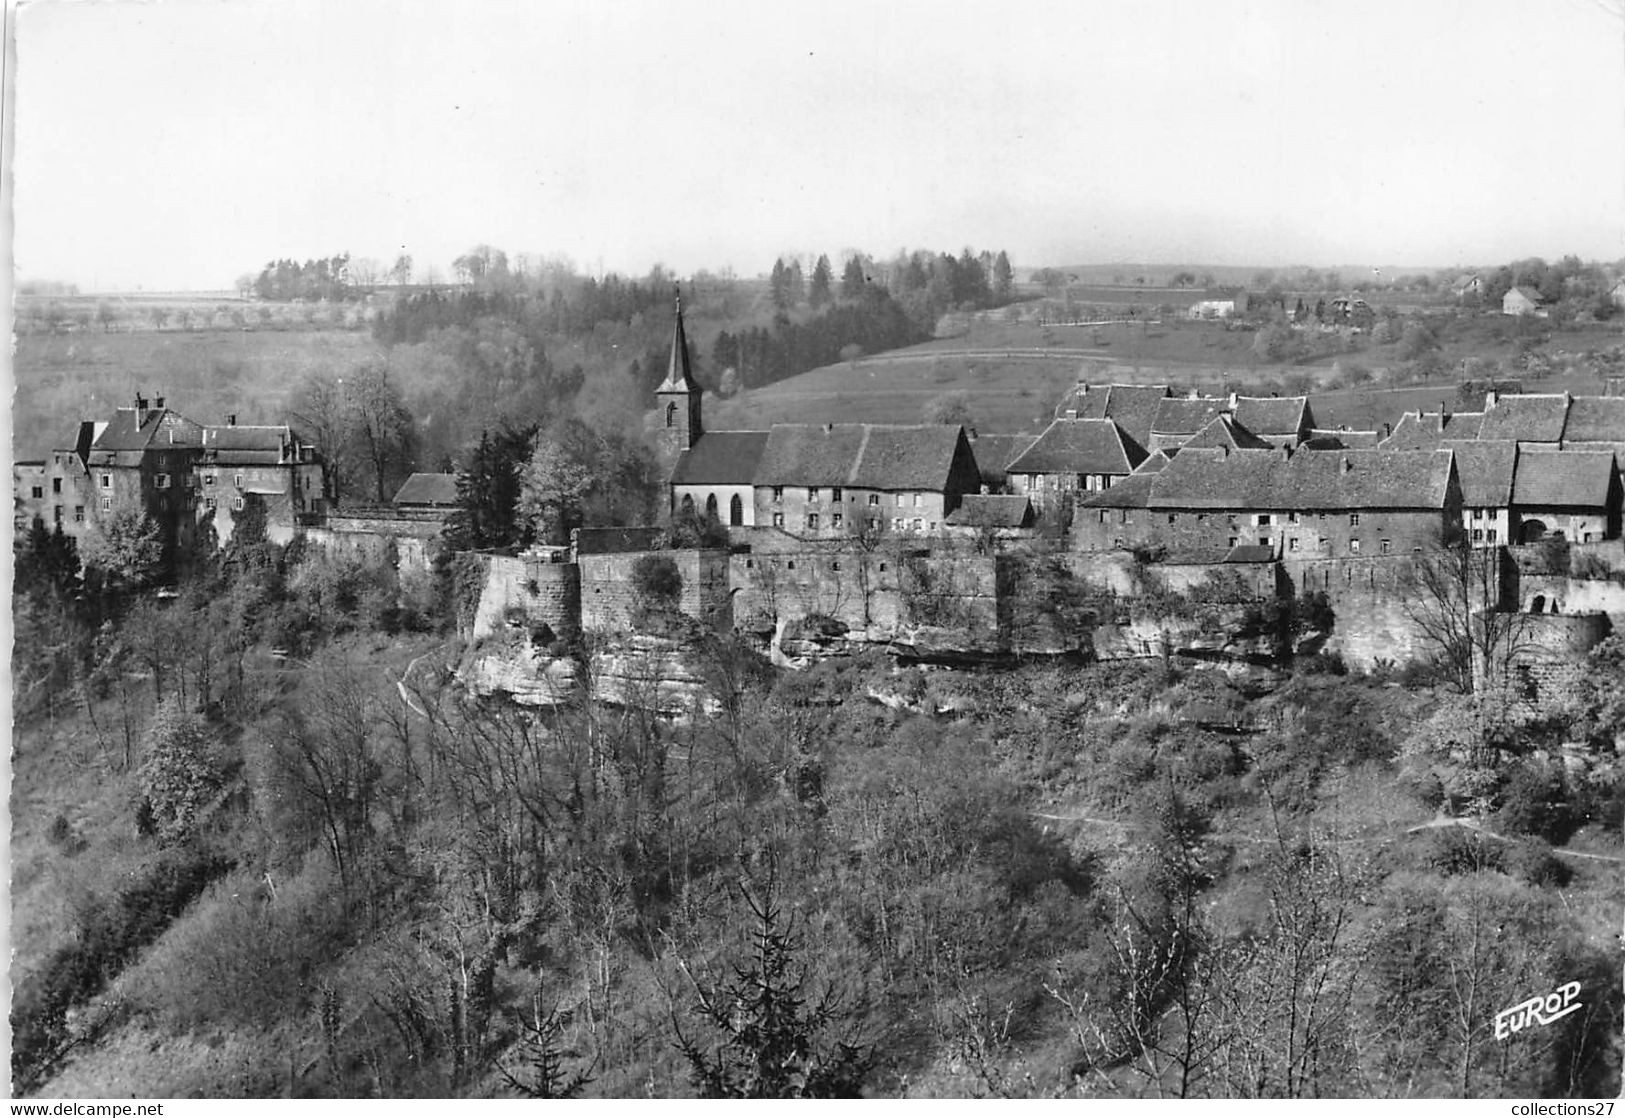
[146, 459]
[1521, 301]
[270, 463]
[1566, 494]
[1486, 469]
[1300, 504]
[1133, 407]
[427, 491]
[1074, 456]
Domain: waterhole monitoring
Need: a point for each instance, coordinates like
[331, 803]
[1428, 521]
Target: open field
[205, 374]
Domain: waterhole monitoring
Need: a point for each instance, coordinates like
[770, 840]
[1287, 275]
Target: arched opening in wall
[736, 512]
[688, 505]
[1538, 604]
[1533, 530]
[671, 415]
[711, 506]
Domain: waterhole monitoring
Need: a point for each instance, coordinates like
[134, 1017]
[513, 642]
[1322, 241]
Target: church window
[711, 506]
[736, 511]
[671, 415]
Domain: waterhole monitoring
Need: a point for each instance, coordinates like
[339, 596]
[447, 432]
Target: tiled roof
[1428, 430]
[1274, 416]
[1529, 418]
[1180, 415]
[920, 457]
[1132, 492]
[1250, 553]
[1079, 446]
[1595, 419]
[980, 510]
[123, 433]
[1273, 479]
[1225, 431]
[1526, 292]
[721, 458]
[1132, 407]
[1485, 467]
[862, 455]
[428, 489]
[1563, 478]
[994, 453]
[247, 446]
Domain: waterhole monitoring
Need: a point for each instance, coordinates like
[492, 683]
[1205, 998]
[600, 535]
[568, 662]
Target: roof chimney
[158, 402]
[1491, 398]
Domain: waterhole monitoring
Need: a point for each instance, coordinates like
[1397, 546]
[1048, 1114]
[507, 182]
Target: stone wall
[609, 602]
[1371, 600]
[1550, 659]
[410, 553]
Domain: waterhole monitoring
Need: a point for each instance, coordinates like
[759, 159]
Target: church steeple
[678, 416]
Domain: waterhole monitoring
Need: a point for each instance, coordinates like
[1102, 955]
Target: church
[820, 481]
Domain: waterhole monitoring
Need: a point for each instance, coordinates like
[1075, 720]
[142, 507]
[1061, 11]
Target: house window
[162, 481]
[899, 500]
[1263, 519]
[1386, 546]
[107, 504]
[208, 479]
[778, 520]
[812, 522]
[919, 499]
[1103, 516]
[56, 485]
[78, 514]
[1291, 518]
[39, 492]
[209, 503]
[778, 493]
[874, 525]
[897, 524]
[1354, 547]
[1173, 518]
[812, 495]
[835, 566]
[1292, 544]
[1478, 535]
[107, 481]
[835, 494]
[834, 520]
[1490, 535]
[874, 499]
[188, 480]
[1105, 481]
[1122, 516]
[917, 524]
[1478, 514]
[1263, 541]
[56, 514]
[1354, 520]
[238, 481]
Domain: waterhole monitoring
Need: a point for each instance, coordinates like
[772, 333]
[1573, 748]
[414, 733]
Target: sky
[179, 144]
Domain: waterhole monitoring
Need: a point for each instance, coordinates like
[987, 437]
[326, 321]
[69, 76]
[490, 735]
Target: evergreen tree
[852, 278]
[1004, 278]
[820, 295]
[779, 285]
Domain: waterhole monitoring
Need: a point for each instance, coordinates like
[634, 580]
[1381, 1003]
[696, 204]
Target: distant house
[1521, 301]
[1074, 456]
[1133, 407]
[996, 512]
[1486, 468]
[1467, 286]
[267, 462]
[1220, 303]
[994, 453]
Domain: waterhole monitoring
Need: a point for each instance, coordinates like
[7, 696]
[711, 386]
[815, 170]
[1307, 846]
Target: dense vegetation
[1116, 879]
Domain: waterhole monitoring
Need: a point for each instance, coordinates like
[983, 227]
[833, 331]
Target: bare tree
[1452, 595]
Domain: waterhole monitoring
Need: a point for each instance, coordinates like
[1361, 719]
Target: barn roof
[1595, 419]
[721, 458]
[1080, 446]
[1274, 416]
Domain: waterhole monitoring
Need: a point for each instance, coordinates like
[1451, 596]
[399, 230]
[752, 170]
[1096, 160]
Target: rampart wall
[610, 603]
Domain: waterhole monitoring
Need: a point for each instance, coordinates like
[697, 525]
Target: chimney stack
[158, 403]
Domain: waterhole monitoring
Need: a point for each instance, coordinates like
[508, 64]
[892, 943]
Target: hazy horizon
[176, 146]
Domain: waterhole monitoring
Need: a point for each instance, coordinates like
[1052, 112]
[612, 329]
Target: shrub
[657, 582]
[179, 775]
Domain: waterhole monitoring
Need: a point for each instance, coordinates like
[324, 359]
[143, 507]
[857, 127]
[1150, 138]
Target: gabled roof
[1527, 418]
[1132, 407]
[679, 377]
[916, 457]
[1595, 419]
[125, 434]
[1563, 478]
[1181, 415]
[992, 510]
[994, 453]
[1274, 416]
[247, 446]
[438, 490]
[1132, 492]
[870, 456]
[1485, 468]
[1225, 431]
[1430, 430]
[1528, 293]
[1277, 479]
[721, 458]
[1080, 446]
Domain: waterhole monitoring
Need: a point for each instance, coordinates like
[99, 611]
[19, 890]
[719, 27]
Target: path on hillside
[1432, 824]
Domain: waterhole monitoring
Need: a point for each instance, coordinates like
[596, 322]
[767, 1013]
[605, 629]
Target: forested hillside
[265, 844]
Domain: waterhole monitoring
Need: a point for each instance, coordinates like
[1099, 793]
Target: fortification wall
[609, 602]
[1372, 604]
[415, 528]
[410, 553]
[1549, 661]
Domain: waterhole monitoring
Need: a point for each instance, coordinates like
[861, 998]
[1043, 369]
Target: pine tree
[852, 278]
[779, 285]
[1004, 279]
[820, 295]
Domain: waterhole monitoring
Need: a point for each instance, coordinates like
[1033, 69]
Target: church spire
[679, 375]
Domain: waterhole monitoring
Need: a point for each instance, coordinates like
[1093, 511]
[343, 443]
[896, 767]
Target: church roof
[721, 458]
